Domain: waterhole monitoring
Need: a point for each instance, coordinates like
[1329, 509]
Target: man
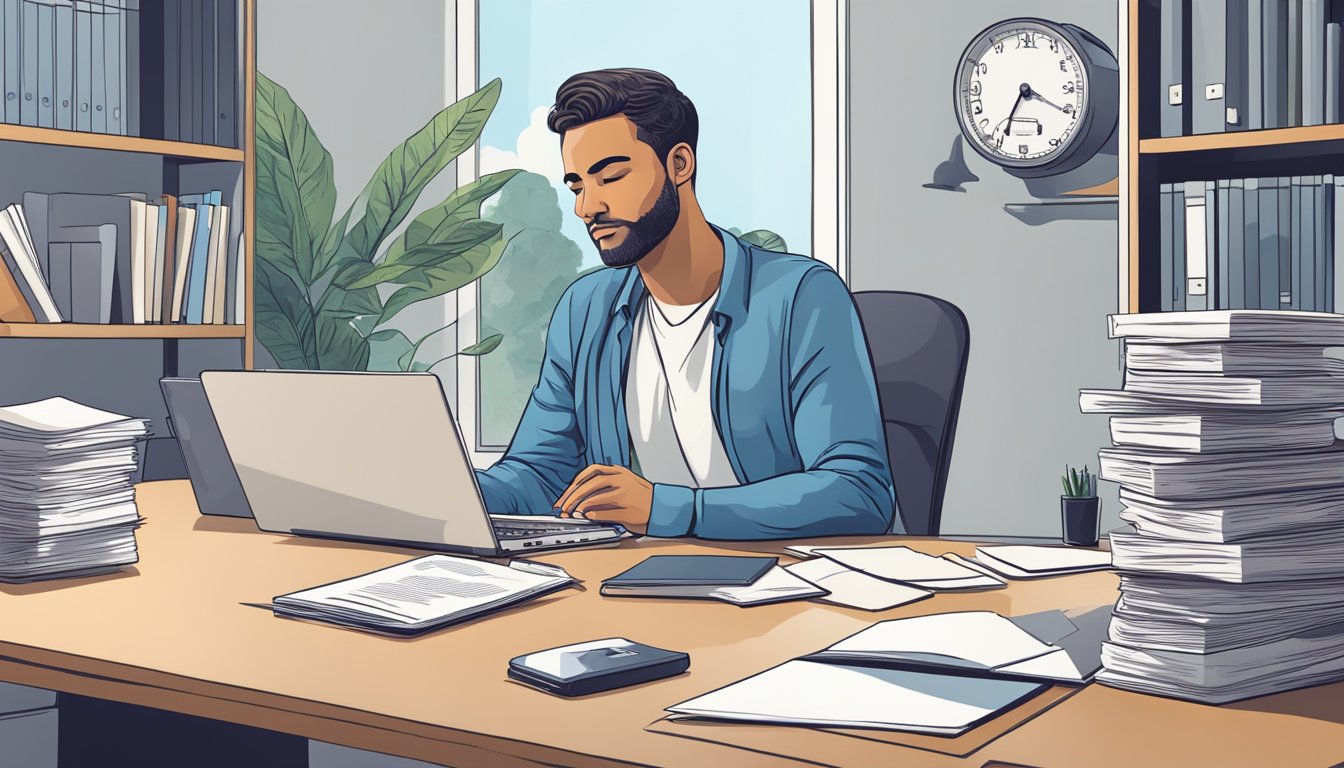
[700, 386]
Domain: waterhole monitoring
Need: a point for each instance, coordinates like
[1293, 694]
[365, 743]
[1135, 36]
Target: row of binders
[156, 68]
[87, 258]
[1238, 65]
[1266, 243]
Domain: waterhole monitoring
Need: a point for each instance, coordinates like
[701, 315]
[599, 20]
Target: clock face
[1022, 93]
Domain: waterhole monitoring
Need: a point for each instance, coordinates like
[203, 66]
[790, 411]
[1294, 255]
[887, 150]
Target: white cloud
[537, 149]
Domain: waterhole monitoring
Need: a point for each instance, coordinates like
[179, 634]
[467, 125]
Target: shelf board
[93, 331]
[1242, 139]
[175, 149]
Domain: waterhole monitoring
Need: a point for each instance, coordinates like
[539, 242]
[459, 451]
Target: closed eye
[617, 177]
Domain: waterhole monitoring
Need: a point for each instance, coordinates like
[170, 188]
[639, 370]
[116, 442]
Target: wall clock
[1036, 97]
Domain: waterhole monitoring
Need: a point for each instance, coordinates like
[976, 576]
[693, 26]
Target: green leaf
[296, 193]
[484, 346]
[391, 193]
[340, 347]
[764, 238]
[386, 349]
[434, 225]
[1065, 481]
[463, 236]
[455, 274]
[284, 321]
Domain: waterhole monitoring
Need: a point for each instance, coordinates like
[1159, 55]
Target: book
[130, 69]
[776, 585]
[1221, 521]
[28, 14]
[171, 34]
[1178, 260]
[1172, 91]
[1167, 249]
[1248, 295]
[1332, 72]
[161, 250]
[194, 304]
[83, 210]
[1225, 431]
[1236, 55]
[186, 231]
[205, 85]
[1292, 327]
[91, 288]
[226, 88]
[21, 260]
[1296, 555]
[1196, 223]
[218, 305]
[1208, 40]
[113, 79]
[1294, 57]
[46, 76]
[423, 594]
[168, 272]
[1313, 62]
[12, 95]
[693, 570]
[1252, 42]
[138, 238]
[64, 36]
[83, 50]
[1270, 245]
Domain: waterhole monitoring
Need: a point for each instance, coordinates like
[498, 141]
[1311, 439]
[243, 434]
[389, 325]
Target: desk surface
[176, 632]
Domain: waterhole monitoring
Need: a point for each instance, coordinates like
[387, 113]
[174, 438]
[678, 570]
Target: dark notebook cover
[694, 570]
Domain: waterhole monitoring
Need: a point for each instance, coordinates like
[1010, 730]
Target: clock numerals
[977, 108]
[998, 47]
[1063, 65]
[1022, 149]
[984, 124]
[1054, 46]
[982, 68]
[1070, 87]
[1054, 143]
[975, 88]
[1068, 108]
[1026, 40]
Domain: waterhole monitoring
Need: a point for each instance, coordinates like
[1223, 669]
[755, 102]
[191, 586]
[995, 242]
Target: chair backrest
[919, 346]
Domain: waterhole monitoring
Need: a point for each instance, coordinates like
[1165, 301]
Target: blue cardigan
[793, 398]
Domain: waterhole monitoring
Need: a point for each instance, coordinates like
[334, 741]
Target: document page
[425, 589]
[854, 589]
[979, 639]
[910, 567]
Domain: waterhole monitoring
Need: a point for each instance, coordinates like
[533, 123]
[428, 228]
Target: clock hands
[1023, 92]
[1039, 97]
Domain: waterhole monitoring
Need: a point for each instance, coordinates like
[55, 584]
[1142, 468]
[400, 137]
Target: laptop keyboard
[512, 531]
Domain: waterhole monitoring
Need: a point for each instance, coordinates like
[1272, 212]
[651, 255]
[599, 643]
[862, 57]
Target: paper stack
[1233, 482]
[67, 507]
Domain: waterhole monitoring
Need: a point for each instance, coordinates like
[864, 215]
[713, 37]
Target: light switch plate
[1196, 287]
[1213, 91]
[1175, 95]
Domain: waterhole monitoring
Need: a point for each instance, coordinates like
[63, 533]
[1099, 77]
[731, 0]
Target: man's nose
[588, 204]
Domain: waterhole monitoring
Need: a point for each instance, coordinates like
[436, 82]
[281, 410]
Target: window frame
[830, 186]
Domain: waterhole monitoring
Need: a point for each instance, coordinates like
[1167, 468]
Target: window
[769, 151]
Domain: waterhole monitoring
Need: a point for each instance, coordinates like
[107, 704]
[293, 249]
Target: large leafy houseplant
[318, 304]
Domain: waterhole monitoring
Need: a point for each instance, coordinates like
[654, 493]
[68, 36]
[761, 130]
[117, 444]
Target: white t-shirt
[668, 396]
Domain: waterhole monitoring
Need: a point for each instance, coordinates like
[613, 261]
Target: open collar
[734, 284]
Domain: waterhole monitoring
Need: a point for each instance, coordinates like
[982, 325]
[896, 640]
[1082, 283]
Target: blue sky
[744, 63]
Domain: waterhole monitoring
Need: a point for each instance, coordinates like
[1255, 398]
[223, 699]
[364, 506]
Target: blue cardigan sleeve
[845, 485]
[547, 448]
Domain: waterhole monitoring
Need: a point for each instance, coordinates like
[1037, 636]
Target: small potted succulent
[1080, 509]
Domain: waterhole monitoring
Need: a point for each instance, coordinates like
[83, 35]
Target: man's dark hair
[662, 115]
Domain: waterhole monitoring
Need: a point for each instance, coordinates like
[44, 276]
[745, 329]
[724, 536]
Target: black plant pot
[1081, 520]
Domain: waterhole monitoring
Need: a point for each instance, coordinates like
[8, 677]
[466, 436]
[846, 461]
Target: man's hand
[610, 494]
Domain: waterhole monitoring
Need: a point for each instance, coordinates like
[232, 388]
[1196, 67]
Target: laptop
[373, 457]
[213, 480]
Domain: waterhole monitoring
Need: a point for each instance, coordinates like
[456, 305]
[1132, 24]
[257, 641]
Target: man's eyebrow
[571, 178]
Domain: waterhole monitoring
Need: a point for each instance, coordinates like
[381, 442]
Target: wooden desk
[176, 633]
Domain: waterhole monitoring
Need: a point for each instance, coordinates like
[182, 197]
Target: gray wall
[1036, 297]
[367, 75]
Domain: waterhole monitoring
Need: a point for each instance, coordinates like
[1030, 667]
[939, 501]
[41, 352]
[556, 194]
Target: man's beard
[644, 233]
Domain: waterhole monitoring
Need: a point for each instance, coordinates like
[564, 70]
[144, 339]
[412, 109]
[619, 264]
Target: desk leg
[97, 734]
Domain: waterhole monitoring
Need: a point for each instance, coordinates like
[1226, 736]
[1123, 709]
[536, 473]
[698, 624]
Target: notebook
[694, 570]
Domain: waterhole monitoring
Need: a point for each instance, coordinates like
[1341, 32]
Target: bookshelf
[117, 366]
[1152, 160]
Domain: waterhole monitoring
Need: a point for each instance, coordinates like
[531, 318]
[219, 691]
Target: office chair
[919, 346]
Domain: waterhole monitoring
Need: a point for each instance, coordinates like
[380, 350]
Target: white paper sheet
[1040, 560]
[811, 693]
[909, 567]
[981, 639]
[854, 589]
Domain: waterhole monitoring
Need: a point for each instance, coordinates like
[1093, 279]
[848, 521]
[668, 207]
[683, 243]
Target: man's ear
[681, 163]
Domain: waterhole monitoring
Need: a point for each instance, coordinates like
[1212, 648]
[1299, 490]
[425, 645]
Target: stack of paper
[67, 507]
[1234, 484]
